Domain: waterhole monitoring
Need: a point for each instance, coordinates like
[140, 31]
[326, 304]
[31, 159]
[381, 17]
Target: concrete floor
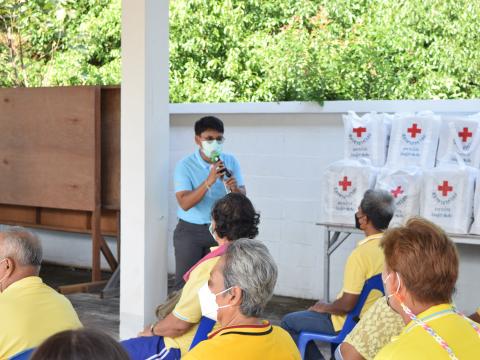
[103, 314]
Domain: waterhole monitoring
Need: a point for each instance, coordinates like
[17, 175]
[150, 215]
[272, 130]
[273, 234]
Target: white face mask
[208, 302]
[212, 232]
[388, 296]
[212, 149]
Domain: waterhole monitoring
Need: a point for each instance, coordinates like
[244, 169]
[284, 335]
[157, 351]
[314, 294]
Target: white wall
[283, 153]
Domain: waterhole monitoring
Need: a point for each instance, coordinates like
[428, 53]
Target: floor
[103, 314]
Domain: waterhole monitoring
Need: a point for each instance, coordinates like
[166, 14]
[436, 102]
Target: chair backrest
[24, 355]
[374, 283]
[204, 328]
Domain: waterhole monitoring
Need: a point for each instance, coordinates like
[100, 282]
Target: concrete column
[144, 162]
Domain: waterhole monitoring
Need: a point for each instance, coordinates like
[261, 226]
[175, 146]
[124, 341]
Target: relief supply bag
[460, 135]
[366, 137]
[343, 186]
[447, 197]
[405, 187]
[414, 140]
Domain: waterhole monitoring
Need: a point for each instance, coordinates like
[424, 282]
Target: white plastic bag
[447, 197]
[414, 140]
[343, 187]
[366, 137]
[405, 187]
[475, 229]
[460, 135]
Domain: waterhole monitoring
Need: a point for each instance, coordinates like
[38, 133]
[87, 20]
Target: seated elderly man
[30, 311]
[366, 260]
[421, 269]
[240, 285]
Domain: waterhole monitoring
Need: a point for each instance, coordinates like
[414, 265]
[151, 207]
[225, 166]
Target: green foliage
[59, 42]
[319, 50]
[256, 50]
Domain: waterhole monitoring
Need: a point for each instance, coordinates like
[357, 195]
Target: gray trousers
[191, 243]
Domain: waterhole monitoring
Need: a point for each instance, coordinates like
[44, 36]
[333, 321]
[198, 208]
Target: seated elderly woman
[421, 269]
[233, 217]
[30, 311]
[238, 290]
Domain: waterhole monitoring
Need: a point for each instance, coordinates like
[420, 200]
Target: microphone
[216, 157]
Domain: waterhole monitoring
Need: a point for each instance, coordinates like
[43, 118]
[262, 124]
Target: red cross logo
[359, 131]
[445, 188]
[414, 131]
[465, 134]
[345, 183]
[397, 191]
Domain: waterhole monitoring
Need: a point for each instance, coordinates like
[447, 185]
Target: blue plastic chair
[24, 355]
[374, 283]
[204, 328]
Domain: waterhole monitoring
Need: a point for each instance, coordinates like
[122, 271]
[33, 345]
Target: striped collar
[371, 237]
[432, 313]
[264, 329]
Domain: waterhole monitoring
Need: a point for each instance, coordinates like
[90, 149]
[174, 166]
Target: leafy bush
[254, 50]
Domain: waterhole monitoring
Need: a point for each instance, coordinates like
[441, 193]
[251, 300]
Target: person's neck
[19, 274]
[223, 241]
[371, 231]
[416, 307]
[244, 320]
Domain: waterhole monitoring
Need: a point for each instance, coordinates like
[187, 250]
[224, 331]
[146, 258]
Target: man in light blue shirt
[201, 179]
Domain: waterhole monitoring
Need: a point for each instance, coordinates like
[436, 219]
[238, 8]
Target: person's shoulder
[229, 157]
[187, 159]
[208, 349]
[205, 266]
[285, 341]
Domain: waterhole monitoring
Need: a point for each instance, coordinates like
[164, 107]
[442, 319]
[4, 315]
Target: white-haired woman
[240, 285]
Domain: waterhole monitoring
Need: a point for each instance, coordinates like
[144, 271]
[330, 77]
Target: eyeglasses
[211, 139]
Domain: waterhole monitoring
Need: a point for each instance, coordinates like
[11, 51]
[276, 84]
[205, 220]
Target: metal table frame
[336, 234]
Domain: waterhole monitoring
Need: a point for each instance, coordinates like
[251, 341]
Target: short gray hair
[379, 207]
[249, 265]
[21, 245]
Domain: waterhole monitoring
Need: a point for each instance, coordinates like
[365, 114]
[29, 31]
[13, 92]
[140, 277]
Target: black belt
[192, 224]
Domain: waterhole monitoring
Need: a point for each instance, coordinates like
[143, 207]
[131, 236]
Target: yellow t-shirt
[188, 307]
[365, 261]
[30, 312]
[416, 343]
[262, 342]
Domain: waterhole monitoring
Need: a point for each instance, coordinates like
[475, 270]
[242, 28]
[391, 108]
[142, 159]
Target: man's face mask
[212, 149]
[208, 302]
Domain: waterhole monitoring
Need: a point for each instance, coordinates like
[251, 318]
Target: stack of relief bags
[428, 163]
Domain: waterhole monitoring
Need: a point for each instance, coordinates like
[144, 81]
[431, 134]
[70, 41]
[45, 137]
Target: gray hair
[249, 265]
[379, 207]
[21, 245]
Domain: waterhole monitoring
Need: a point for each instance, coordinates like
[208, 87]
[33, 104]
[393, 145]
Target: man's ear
[235, 296]
[9, 266]
[198, 141]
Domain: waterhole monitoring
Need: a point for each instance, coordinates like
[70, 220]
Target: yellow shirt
[30, 312]
[416, 343]
[262, 342]
[188, 307]
[365, 261]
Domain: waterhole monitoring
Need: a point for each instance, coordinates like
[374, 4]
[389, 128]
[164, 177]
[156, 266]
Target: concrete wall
[283, 150]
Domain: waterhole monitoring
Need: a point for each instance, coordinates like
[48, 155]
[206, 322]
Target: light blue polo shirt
[190, 173]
